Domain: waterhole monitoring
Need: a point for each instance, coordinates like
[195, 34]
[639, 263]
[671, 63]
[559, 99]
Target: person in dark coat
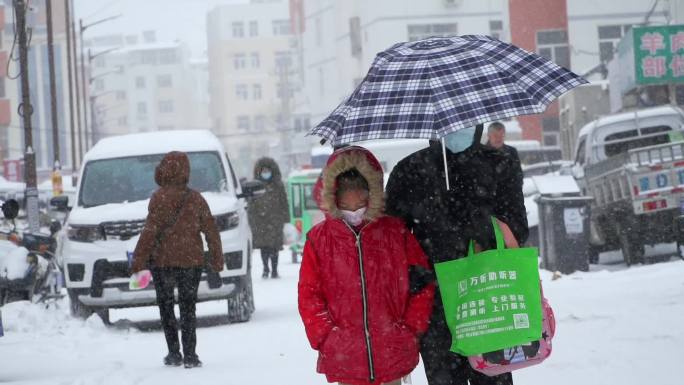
[496, 135]
[483, 184]
[268, 213]
[179, 259]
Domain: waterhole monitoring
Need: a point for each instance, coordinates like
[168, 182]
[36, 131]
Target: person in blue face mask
[268, 213]
[460, 140]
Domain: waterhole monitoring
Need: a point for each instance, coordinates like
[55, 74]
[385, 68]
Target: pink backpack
[522, 356]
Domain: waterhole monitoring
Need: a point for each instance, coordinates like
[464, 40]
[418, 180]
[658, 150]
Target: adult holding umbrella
[444, 89]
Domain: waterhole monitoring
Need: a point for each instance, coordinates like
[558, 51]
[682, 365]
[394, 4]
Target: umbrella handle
[478, 133]
[446, 169]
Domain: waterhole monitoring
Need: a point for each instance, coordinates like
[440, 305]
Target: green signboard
[659, 54]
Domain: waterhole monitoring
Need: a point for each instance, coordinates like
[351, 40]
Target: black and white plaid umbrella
[430, 88]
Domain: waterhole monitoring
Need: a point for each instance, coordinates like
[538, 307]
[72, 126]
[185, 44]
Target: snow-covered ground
[616, 326]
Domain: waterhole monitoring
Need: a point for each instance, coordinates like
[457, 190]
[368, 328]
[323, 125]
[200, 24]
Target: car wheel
[630, 244]
[103, 313]
[241, 305]
[594, 254]
[78, 309]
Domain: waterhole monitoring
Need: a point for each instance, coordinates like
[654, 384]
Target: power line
[101, 9]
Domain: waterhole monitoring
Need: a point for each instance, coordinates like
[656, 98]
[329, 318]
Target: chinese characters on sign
[484, 278]
[659, 54]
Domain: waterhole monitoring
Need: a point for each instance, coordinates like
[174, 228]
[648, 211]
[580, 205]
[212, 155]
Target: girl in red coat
[362, 293]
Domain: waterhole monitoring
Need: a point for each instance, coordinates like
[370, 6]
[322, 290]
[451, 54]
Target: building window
[609, 36]
[99, 84]
[168, 56]
[164, 81]
[142, 109]
[241, 91]
[120, 95]
[551, 139]
[122, 121]
[139, 82]
[238, 29]
[253, 28]
[259, 123]
[239, 61]
[256, 62]
[553, 45]
[422, 31]
[281, 27]
[284, 91]
[551, 124]
[166, 106]
[256, 91]
[243, 123]
[283, 61]
[100, 62]
[496, 29]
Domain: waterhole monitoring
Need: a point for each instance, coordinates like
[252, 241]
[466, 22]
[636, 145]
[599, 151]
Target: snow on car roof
[629, 115]
[556, 184]
[157, 142]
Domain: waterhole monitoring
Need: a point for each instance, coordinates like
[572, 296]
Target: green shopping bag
[492, 299]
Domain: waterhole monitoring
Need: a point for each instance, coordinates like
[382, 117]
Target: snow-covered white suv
[104, 223]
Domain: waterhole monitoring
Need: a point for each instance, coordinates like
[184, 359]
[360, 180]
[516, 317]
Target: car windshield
[131, 179]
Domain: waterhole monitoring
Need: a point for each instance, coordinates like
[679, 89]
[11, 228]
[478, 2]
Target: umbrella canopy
[430, 88]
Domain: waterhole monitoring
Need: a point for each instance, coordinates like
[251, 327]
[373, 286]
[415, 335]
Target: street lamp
[83, 28]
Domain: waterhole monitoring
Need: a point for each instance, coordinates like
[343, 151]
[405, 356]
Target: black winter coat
[484, 182]
[268, 212]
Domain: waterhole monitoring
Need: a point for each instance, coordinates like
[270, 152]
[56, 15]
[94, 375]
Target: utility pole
[25, 110]
[53, 86]
[57, 188]
[78, 94]
[67, 23]
[83, 83]
[82, 29]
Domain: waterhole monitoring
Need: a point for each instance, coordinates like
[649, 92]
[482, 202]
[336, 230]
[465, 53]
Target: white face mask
[354, 218]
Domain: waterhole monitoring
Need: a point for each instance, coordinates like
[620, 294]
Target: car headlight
[85, 233]
[227, 221]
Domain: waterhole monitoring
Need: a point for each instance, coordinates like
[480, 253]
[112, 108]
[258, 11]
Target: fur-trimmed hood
[343, 160]
[270, 164]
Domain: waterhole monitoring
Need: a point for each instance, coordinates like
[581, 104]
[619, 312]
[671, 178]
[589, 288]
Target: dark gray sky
[172, 19]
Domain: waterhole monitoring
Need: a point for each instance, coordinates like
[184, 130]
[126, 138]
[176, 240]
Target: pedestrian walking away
[268, 213]
[362, 293]
[171, 246]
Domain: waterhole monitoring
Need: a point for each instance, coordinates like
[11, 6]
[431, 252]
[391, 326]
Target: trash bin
[564, 233]
[563, 223]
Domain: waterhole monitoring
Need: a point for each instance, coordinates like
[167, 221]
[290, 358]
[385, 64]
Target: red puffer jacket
[355, 297]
